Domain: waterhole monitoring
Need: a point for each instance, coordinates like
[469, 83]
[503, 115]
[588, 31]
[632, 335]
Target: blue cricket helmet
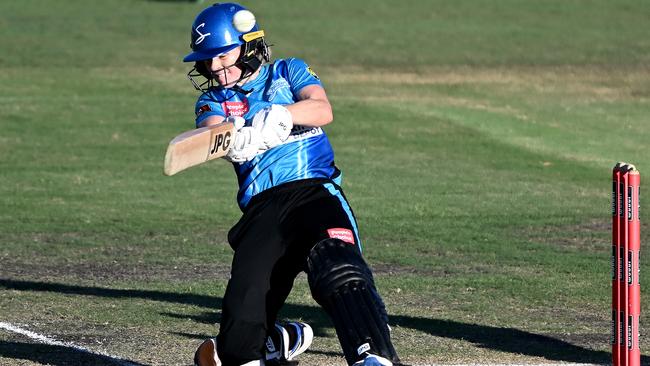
[219, 29]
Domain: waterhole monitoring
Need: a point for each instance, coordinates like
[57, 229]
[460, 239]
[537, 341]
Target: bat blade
[197, 146]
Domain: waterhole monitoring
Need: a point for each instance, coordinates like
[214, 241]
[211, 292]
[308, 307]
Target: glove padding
[247, 143]
[274, 123]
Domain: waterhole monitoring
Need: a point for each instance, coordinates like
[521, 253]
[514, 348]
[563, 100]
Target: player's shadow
[56, 355]
[510, 340]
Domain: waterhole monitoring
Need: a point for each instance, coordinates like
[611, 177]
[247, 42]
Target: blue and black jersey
[307, 152]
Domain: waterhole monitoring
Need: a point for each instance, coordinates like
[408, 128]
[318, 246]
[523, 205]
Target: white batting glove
[275, 124]
[239, 122]
[247, 143]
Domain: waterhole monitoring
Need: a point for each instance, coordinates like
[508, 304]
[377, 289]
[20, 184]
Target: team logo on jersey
[237, 109]
[309, 70]
[343, 234]
[276, 85]
[201, 35]
[202, 109]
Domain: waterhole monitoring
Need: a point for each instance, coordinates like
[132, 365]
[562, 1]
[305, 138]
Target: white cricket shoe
[288, 340]
[373, 360]
[285, 343]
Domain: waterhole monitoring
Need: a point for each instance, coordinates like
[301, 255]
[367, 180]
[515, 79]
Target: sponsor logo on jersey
[237, 109]
[309, 70]
[202, 109]
[343, 234]
[303, 132]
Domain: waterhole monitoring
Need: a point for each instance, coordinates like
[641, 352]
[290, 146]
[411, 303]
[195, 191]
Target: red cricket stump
[622, 278]
[626, 289]
[616, 244]
[633, 268]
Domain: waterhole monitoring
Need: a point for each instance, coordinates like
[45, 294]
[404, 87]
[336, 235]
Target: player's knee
[333, 264]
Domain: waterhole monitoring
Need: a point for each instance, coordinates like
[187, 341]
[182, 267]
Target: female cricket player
[295, 216]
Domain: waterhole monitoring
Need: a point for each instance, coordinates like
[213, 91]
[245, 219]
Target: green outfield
[476, 139]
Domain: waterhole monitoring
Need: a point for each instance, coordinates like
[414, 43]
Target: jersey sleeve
[206, 107]
[300, 75]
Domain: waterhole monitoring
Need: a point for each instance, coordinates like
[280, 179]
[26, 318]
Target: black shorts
[271, 243]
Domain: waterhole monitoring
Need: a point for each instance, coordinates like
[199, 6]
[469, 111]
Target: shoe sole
[206, 354]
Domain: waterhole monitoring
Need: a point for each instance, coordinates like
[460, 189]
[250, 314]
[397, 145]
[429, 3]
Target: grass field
[476, 139]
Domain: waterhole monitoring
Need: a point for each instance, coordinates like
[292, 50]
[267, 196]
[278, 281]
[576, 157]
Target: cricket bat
[197, 146]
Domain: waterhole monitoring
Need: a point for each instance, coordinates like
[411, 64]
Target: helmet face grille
[253, 55]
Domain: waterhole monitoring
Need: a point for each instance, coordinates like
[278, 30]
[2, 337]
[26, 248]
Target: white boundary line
[121, 362]
[53, 342]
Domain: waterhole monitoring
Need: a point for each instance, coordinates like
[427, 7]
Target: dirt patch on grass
[467, 74]
[587, 84]
[113, 271]
[384, 269]
[116, 271]
[26, 353]
[591, 235]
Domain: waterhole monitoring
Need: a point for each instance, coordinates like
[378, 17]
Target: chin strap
[239, 89]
